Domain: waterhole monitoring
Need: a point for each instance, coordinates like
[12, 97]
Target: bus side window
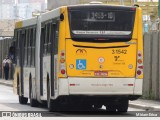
[25, 47]
[53, 38]
[42, 40]
[29, 46]
[45, 40]
[12, 52]
[33, 47]
[49, 38]
[56, 37]
[17, 48]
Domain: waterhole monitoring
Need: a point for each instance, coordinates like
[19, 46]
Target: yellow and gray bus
[80, 56]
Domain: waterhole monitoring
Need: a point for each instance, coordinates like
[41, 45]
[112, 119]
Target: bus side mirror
[62, 17]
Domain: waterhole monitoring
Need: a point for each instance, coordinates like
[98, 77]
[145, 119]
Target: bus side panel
[27, 72]
[140, 37]
[135, 28]
[15, 81]
[46, 72]
[63, 31]
[139, 81]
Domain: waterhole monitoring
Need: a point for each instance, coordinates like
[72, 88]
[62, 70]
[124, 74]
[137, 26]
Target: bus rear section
[105, 71]
[102, 56]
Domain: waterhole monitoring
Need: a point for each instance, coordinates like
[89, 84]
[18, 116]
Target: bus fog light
[130, 66]
[71, 66]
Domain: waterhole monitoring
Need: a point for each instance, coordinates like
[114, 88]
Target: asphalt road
[9, 102]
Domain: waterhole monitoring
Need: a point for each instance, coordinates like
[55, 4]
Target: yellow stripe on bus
[19, 24]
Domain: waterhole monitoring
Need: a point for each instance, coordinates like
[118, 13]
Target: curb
[144, 107]
[6, 84]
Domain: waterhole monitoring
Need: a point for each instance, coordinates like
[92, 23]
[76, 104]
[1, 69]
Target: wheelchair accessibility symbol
[80, 64]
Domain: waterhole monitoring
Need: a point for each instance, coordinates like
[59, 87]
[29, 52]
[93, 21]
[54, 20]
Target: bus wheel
[33, 102]
[51, 104]
[23, 100]
[123, 106]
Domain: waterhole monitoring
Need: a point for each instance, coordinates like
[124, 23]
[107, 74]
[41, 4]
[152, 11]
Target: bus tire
[33, 102]
[123, 106]
[18, 85]
[23, 100]
[51, 104]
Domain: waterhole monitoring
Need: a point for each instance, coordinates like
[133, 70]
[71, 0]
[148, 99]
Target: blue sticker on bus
[80, 64]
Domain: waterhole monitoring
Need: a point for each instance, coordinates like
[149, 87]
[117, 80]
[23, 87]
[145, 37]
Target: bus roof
[56, 12]
[101, 5]
[27, 22]
[33, 21]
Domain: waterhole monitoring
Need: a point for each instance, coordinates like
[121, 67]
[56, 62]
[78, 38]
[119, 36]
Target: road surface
[9, 102]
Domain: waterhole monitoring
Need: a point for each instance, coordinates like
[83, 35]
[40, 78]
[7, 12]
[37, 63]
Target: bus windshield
[101, 22]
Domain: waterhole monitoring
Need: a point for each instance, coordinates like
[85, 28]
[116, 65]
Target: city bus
[80, 56]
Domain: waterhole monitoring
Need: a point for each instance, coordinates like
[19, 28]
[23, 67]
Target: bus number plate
[101, 73]
[119, 51]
